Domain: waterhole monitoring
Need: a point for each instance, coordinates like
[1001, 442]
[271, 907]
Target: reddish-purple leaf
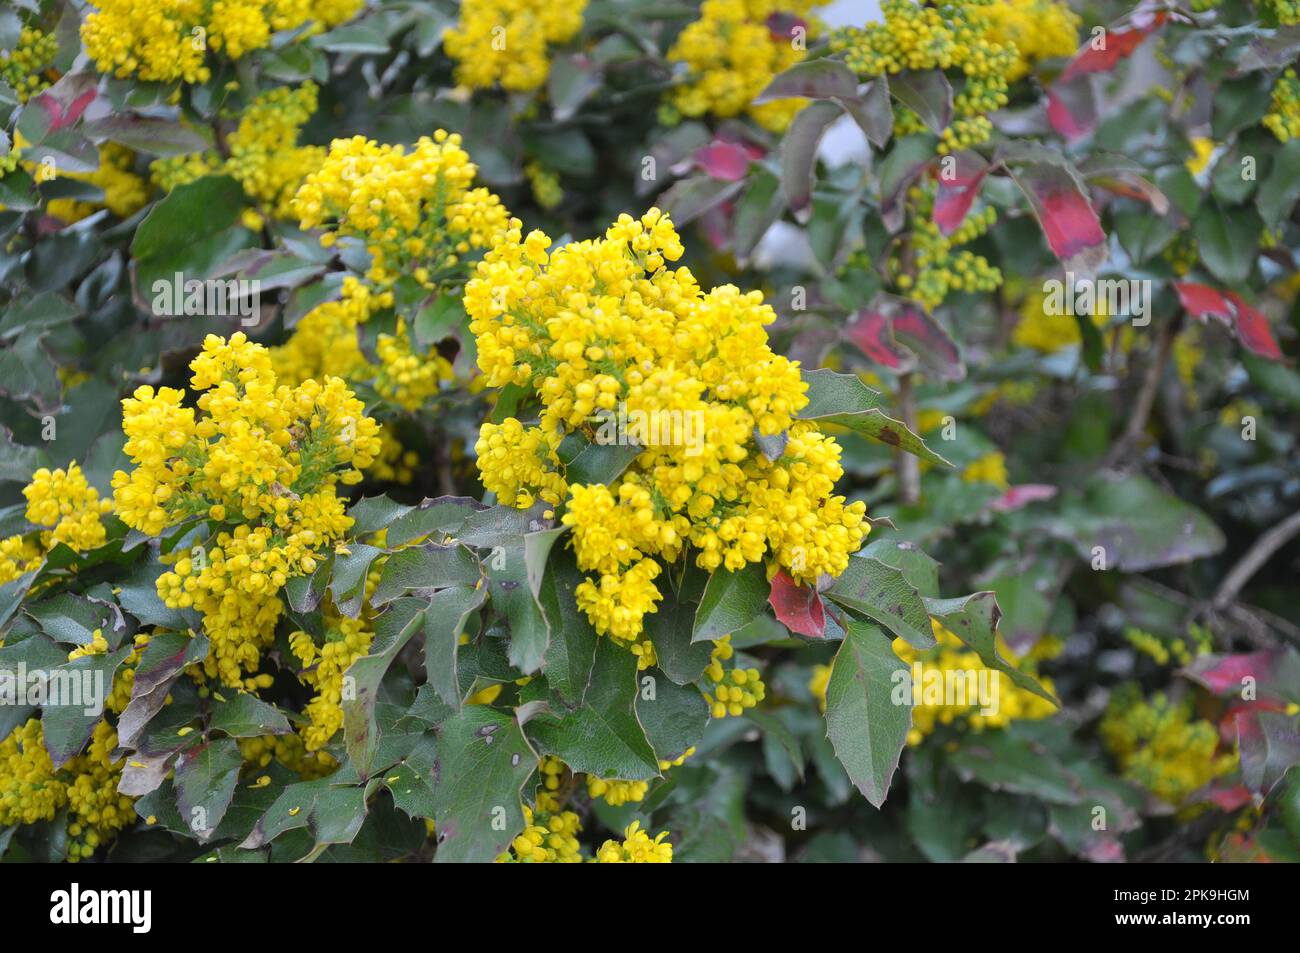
[1251, 326]
[1200, 300]
[959, 184]
[1072, 108]
[1069, 223]
[785, 27]
[933, 346]
[1115, 45]
[1224, 674]
[812, 79]
[798, 608]
[1253, 329]
[727, 161]
[873, 332]
[65, 102]
[1016, 497]
[1071, 101]
[927, 93]
[799, 154]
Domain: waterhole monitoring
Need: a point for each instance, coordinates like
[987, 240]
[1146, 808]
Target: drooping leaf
[868, 709]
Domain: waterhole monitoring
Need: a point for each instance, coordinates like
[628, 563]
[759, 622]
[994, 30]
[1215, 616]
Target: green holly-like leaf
[393, 629]
[205, 782]
[483, 762]
[843, 399]
[883, 594]
[974, 620]
[602, 736]
[444, 621]
[868, 709]
[731, 601]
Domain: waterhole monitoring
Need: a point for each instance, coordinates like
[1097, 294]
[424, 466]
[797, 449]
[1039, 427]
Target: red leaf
[1200, 300]
[930, 342]
[1251, 326]
[783, 26]
[873, 332]
[798, 608]
[1071, 227]
[726, 161]
[1253, 330]
[1017, 496]
[1071, 105]
[1229, 799]
[63, 114]
[956, 192]
[1072, 109]
[1222, 674]
[1116, 45]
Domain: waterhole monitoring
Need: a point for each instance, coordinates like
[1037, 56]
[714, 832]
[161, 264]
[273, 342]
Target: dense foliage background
[521, 642]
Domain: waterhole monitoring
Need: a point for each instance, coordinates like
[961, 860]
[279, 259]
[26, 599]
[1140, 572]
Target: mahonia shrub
[499, 431]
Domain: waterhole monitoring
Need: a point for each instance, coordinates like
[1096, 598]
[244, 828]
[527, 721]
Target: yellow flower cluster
[1283, 117]
[952, 657]
[990, 468]
[325, 343]
[732, 52]
[260, 457]
[545, 184]
[604, 326]
[125, 193]
[731, 690]
[264, 155]
[167, 40]
[346, 640]
[1046, 332]
[616, 793]
[32, 791]
[69, 510]
[1285, 12]
[1160, 745]
[24, 66]
[547, 838]
[505, 41]
[1181, 649]
[1036, 29]
[415, 210]
[636, 848]
[960, 36]
[290, 751]
[937, 266]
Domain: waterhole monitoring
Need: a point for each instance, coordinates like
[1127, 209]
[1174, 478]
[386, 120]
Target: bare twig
[1146, 397]
[1255, 557]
